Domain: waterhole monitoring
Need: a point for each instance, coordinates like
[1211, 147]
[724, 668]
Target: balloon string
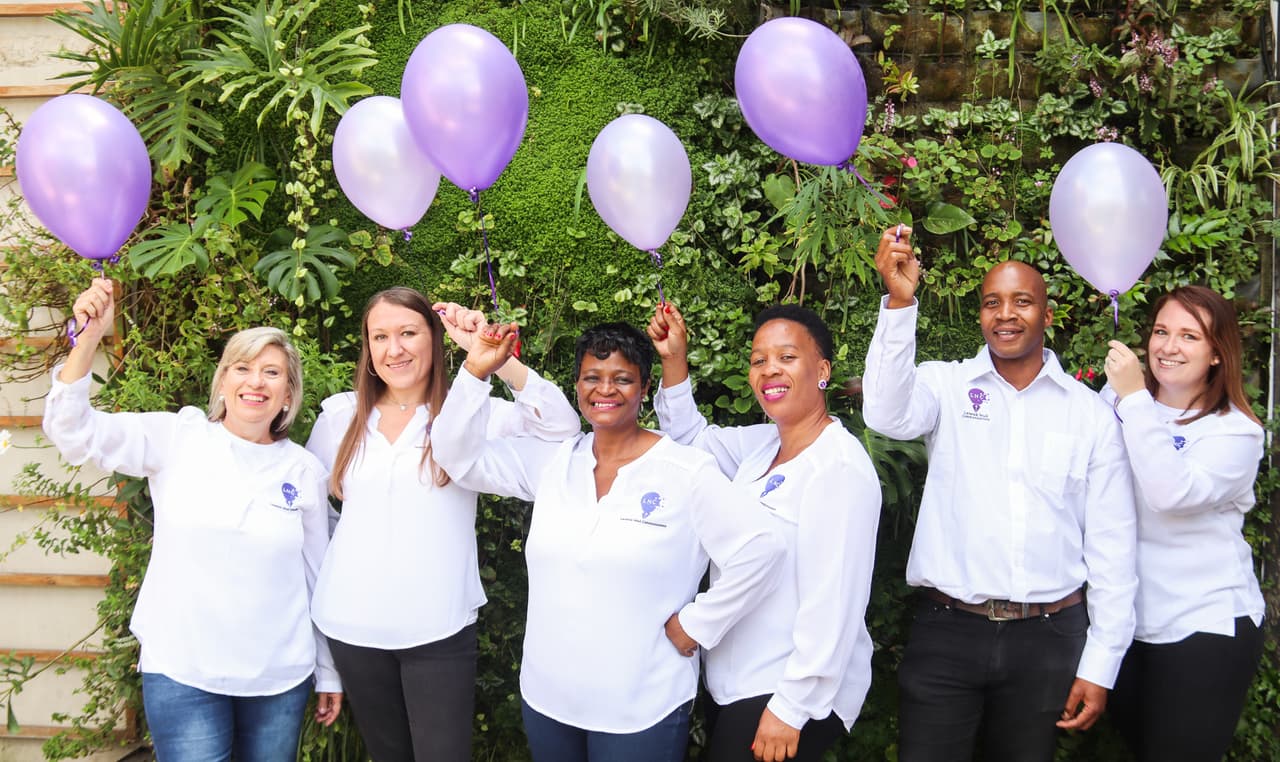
[1115, 313]
[72, 332]
[408, 234]
[884, 200]
[656, 256]
[484, 236]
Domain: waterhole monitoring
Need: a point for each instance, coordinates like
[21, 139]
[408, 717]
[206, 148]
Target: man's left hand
[1084, 706]
[776, 741]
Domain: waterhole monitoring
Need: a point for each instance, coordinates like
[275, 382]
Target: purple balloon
[84, 171]
[466, 103]
[639, 179]
[1109, 214]
[379, 165]
[802, 91]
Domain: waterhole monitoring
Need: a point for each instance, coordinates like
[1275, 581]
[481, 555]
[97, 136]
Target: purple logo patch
[978, 397]
[1179, 442]
[651, 502]
[290, 493]
[773, 483]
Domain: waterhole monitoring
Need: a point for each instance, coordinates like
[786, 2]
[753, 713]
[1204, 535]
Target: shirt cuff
[1132, 404]
[327, 680]
[787, 712]
[1099, 664]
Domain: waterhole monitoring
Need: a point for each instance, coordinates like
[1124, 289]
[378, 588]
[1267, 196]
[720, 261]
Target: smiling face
[400, 349]
[1014, 314]
[785, 368]
[1180, 354]
[254, 392]
[610, 391]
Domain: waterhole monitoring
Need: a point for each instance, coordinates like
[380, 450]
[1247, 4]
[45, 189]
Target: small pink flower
[1080, 374]
[909, 161]
[1089, 374]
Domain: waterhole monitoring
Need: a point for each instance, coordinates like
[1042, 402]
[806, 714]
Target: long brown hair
[1224, 385]
[370, 387]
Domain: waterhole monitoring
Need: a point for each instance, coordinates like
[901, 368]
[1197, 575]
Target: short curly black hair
[805, 317]
[605, 339]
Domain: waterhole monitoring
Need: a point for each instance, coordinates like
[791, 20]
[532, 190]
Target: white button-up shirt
[605, 574]
[1028, 494]
[807, 642]
[402, 567]
[1194, 485]
[240, 529]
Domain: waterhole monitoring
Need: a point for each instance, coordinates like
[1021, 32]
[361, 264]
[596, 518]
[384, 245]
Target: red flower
[889, 181]
[891, 203]
[1080, 374]
[1089, 374]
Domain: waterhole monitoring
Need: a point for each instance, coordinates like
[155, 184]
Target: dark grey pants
[963, 674]
[412, 704]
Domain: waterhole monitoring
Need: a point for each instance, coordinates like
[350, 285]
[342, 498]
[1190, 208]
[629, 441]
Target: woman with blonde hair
[228, 650]
[399, 592]
[1194, 445]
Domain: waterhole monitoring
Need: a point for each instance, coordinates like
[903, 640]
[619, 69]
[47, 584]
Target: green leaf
[310, 273]
[779, 189]
[170, 249]
[942, 218]
[13, 725]
[230, 199]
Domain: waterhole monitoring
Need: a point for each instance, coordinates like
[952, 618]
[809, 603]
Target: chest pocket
[1063, 467]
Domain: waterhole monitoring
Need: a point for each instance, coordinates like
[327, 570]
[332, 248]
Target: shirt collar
[980, 365]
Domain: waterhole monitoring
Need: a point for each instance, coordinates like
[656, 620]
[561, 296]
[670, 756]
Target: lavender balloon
[379, 165]
[466, 103]
[639, 179]
[1109, 214]
[84, 171]
[802, 91]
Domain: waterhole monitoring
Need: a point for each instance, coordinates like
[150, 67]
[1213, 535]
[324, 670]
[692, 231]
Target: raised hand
[1124, 370]
[459, 322]
[492, 346]
[670, 338]
[898, 266]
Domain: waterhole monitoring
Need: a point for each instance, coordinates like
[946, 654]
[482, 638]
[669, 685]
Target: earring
[222, 398]
[822, 383]
[285, 409]
[373, 372]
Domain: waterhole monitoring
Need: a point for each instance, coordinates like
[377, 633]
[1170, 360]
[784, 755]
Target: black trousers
[1180, 702]
[732, 728]
[412, 704]
[963, 674]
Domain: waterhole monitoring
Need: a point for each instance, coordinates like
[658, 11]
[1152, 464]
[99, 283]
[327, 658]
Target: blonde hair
[246, 345]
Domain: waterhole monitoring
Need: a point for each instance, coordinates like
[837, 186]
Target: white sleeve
[540, 410]
[508, 466]
[1110, 550]
[895, 401]
[132, 443]
[738, 535]
[315, 538]
[680, 419]
[1212, 471]
[835, 555]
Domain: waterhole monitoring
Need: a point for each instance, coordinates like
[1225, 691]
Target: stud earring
[822, 383]
[285, 409]
[222, 398]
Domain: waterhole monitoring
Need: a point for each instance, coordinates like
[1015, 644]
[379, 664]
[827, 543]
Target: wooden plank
[47, 655]
[37, 91]
[49, 731]
[14, 501]
[45, 342]
[7, 171]
[43, 9]
[20, 421]
[19, 579]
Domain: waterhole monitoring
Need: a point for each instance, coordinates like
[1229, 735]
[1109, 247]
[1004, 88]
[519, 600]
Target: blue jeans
[554, 741]
[191, 725]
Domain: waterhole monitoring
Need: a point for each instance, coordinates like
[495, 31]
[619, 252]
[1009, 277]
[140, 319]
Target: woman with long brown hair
[1194, 445]
[399, 591]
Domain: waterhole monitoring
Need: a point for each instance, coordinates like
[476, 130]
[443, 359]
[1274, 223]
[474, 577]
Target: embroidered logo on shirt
[977, 398]
[773, 483]
[290, 493]
[649, 503]
[1179, 442]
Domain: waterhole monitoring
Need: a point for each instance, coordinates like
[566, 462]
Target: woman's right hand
[898, 266]
[94, 310]
[1124, 370]
[491, 347]
[668, 332]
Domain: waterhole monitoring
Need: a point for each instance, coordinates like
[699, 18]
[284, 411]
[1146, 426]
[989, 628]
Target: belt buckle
[1008, 611]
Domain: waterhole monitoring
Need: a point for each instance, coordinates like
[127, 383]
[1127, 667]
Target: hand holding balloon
[459, 322]
[494, 345]
[1124, 370]
[898, 266]
[94, 309]
[669, 334]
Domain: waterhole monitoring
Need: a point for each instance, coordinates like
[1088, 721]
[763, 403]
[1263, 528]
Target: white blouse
[807, 642]
[402, 567]
[240, 529]
[1194, 485]
[605, 574]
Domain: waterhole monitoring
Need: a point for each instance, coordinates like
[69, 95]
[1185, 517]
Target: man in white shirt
[1028, 500]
